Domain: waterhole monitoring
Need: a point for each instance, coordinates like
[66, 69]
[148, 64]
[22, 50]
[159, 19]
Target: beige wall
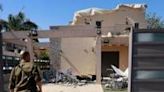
[123, 54]
[79, 51]
[81, 54]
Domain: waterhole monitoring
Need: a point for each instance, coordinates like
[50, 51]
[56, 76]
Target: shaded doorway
[108, 59]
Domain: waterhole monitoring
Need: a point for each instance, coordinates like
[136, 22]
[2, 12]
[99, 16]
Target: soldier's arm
[12, 81]
[39, 83]
[38, 79]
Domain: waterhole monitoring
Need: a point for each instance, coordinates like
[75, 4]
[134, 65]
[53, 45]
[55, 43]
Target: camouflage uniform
[24, 77]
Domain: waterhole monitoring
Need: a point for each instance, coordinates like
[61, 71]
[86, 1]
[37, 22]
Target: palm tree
[3, 24]
[18, 22]
[28, 25]
[1, 7]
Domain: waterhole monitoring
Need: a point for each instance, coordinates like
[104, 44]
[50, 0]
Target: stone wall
[55, 48]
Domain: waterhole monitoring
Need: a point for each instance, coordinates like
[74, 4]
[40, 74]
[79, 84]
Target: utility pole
[1, 63]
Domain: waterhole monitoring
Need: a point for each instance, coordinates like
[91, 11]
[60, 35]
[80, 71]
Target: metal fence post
[1, 64]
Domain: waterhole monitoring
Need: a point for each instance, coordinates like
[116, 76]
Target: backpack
[29, 77]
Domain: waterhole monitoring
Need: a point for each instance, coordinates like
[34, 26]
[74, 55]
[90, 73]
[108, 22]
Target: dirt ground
[51, 87]
[66, 88]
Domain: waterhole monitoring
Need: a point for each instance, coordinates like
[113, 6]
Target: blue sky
[46, 13]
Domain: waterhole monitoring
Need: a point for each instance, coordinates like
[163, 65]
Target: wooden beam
[69, 31]
[98, 60]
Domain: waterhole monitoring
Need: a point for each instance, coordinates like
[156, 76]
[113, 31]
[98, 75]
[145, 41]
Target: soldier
[25, 77]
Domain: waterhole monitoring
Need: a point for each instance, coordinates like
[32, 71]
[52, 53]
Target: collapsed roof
[94, 11]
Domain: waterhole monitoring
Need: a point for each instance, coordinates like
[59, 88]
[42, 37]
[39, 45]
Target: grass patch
[114, 90]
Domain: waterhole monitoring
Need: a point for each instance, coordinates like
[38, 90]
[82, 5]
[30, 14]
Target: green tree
[18, 22]
[1, 27]
[1, 7]
[154, 21]
[44, 55]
